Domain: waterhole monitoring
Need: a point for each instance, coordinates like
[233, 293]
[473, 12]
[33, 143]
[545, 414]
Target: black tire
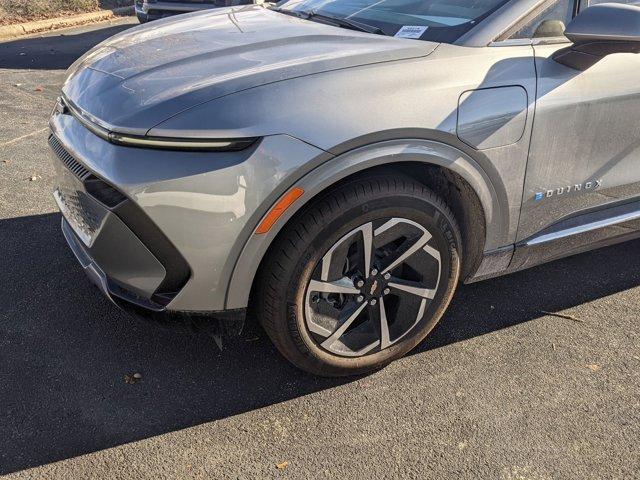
[281, 291]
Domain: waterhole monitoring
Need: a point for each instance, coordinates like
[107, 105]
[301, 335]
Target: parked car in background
[147, 10]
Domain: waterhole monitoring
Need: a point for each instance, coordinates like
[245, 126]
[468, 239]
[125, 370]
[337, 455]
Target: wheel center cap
[373, 287]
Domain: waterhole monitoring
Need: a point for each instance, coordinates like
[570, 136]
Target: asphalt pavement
[501, 389]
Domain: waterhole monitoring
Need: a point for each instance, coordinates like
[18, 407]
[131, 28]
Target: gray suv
[337, 168]
[147, 10]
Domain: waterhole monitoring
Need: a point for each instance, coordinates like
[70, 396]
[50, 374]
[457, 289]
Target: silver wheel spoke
[421, 242]
[432, 251]
[346, 324]
[343, 285]
[414, 290]
[388, 225]
[367, 238]
[384, 326]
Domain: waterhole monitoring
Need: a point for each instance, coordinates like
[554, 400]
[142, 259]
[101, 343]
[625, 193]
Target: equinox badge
[592, 185]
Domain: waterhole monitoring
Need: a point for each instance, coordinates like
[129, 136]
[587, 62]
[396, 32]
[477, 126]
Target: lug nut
[360, 298]
[374, 272]
[386, 291]
[387, 276]
[359, 284]
[373, 301]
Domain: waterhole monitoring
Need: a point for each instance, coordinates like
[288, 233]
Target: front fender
[323, 175]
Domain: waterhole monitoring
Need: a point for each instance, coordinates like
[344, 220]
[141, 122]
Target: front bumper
[98, 222]
[99, 278]
[228, 322]
[171, 242]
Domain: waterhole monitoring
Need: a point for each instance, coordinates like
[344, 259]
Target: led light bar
[181, 143]
[167, 143]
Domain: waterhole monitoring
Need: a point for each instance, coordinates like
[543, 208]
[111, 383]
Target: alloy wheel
[372, 287]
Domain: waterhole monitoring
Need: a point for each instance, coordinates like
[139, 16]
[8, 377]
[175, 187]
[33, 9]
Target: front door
[585, 146]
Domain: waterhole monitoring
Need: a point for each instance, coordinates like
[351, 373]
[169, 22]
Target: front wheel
[360, 276]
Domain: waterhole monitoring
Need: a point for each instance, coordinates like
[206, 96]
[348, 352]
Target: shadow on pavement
[56, 52]
[64, 350]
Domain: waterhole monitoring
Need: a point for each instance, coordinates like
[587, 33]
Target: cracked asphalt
[499, 390]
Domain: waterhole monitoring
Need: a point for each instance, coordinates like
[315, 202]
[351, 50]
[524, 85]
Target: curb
[18, 30]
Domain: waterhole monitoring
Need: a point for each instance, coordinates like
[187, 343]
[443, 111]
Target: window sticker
[411, 31]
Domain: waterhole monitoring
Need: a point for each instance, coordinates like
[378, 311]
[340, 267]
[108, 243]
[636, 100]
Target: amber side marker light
[278, 209]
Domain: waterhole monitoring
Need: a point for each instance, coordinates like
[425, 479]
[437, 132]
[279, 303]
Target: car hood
[145, 75]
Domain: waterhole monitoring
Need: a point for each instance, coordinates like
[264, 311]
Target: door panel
[585, 145]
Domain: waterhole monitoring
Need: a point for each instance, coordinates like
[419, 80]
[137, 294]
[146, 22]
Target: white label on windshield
[411, 31]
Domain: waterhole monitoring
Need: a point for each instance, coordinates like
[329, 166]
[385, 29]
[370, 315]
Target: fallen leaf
[131, 379]
[282, 466]
[33, 178]
[594, 367]
[137, 376]
[39, 88]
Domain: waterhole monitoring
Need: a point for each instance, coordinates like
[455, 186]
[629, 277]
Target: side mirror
[599, 31]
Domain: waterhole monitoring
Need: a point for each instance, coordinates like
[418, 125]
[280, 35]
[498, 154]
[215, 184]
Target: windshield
[435, 20]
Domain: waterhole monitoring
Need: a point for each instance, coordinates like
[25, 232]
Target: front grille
[65, 157]
[80, 211]
[83, 213]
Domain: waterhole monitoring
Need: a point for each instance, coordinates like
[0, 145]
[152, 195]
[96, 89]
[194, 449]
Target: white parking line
[23, 137]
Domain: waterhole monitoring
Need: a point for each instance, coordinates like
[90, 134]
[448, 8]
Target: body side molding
[573, 235]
